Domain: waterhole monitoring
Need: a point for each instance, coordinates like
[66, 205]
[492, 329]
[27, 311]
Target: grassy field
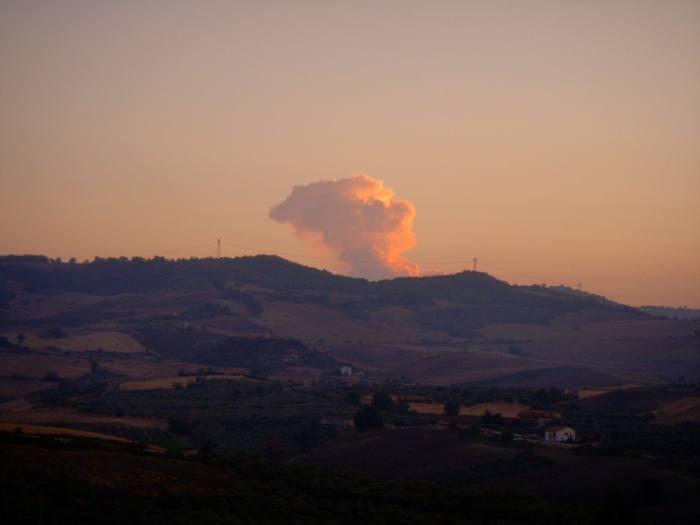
[404, 453]
[310, 322]
[21, 388]
[630, 401]
[113, 484]
[586, 349]
[108, 341]
[21, 411]
[686, 409]
[585, 393]
[168, 382]
[422, 453]
[590, 480]
[158, 382]
[57, 431]
[36, 366]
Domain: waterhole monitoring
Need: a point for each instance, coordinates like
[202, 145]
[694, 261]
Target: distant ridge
[468, 300]
[656, 311]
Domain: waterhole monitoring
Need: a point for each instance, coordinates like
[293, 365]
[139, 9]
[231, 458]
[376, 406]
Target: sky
[557, 142]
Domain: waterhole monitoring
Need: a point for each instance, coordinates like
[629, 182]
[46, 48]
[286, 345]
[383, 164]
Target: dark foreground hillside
[588, 476]
[91, 483]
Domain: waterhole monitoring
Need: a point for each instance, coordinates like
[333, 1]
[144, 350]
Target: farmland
[224, 359]
[104, 485]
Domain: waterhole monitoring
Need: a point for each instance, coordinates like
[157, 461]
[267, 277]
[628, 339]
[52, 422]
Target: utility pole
[218, 249]
[474, 269]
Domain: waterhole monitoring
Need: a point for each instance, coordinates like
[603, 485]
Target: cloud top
[356, 221]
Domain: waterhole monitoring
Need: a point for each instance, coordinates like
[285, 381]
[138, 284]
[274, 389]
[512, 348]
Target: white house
[345, 371]
[559, 434]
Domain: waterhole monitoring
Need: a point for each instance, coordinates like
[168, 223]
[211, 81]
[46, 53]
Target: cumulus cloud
[356, 221]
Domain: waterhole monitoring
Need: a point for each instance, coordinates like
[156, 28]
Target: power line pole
[218, 249]
[474, 265]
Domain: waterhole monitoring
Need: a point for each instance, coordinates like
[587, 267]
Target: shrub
[452, 408]
[382, 401]
[274, 450]
[650, 491]
[368, 418]
[51, 376]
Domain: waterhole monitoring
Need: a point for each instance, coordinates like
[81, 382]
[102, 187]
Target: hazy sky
[558, 142]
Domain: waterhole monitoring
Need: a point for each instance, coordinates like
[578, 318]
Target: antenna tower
[474, 265]
[218, 248]
[580, 287]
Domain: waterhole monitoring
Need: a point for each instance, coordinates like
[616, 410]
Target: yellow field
[309, 322]
[36, 366]
[37, 429]
[686, 409]
[157, 382]
[22, 412]
[592, 392]
[507, 410]
[108, 341]
[428, 408]
[165, 382]
[11, 388]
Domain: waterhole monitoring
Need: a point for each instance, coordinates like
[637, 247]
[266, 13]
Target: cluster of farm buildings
[540, 418]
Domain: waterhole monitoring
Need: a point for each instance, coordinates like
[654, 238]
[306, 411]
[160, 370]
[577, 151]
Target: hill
[466, 301]
[230, 355]
[132, 315]
[90, 482]
[447, 458]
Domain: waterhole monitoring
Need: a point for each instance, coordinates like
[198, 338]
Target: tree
[492, 419]
[555, 395]
[452, 408]
[353, 397]
[541, 399]
[650, 491]
[21, 338]
[507, 437]
[382, 401]
[368, 418]
[514, 350]
[616, 511]
[274, 450]
[178, 426]
[402, 407]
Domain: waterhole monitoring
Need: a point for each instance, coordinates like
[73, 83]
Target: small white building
[559, 434]
[345, 371]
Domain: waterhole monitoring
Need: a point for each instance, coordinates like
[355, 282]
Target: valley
[204, 359]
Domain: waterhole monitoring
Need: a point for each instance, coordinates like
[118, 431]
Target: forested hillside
[455, 303]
